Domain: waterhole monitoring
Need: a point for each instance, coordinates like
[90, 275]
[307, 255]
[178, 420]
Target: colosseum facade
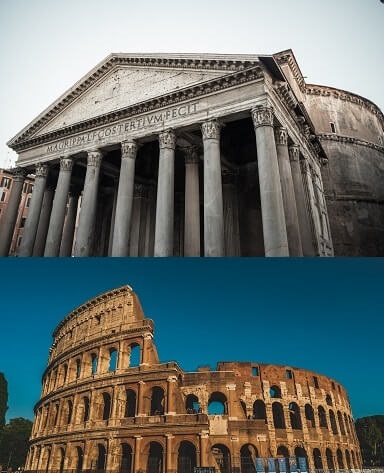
[108, 404]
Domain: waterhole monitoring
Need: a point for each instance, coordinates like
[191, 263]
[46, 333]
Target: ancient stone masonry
[241, 114]
[108, 404]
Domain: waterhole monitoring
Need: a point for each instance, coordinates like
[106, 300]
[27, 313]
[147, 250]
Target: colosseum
[108, 404]
[201, 155]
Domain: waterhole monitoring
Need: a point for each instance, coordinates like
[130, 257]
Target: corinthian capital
[191, 155]
[41, 170]
[167, 139]
[211, 130]
[128, 149]
[94, 158]
[294, 152]
[281, 136]
[66, 163]
[262, 116]
[19, 174]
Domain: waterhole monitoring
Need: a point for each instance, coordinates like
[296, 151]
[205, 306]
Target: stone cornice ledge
[350, 139]
[239, 77]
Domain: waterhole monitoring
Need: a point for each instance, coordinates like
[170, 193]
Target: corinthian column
[45, 214]
[30, 229]
[272, 208]
[10, 217]
[69, 225]
[165, 195]
[192, 203]
[120, 245]
[87, 216]
[302, 214]
[213, 192]
[56, 223]
[288, 192]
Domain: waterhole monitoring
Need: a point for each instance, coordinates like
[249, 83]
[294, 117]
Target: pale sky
[47, 45]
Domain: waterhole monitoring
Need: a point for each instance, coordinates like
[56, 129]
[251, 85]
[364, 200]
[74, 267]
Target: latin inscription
[124, 127]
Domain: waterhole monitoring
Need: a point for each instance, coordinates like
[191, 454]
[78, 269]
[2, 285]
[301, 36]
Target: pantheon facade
[201, 155]
[109, 404]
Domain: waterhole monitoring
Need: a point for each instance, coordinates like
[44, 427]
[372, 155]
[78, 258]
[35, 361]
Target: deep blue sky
[322, 314]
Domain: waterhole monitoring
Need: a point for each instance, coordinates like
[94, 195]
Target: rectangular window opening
[255, 371]
[316, 382]
[288, 374]
[333, 127]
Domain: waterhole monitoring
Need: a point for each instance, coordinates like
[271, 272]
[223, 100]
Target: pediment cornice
[244, 71]
[228, 64]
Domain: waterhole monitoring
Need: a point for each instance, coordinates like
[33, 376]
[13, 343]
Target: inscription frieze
[127, 126]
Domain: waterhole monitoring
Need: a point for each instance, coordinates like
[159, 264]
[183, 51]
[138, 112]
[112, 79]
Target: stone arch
[217, 404]
[328, 400]
[354, 463]
[243, 408]
[101, 461]
[57, 463]
[259, 410]
[112, 359]
[186, 457]
[275, 392]
[222, 457]
[106, 406]
[155, 459]
[134, 355]
[130, 403]
[248, 455]
[94, 363]
[283, 451]
[348, 459]
[329, 457]
[192, 404]
[278, 415]
[346, 423]
[341, 423]
[340, 461]
[310, 415]
[332, 420]
[295, 416]
[322, 417]
[126, 458]
[317, 460]
[157, 401]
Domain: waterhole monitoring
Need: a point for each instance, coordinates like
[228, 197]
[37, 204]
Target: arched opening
[328, 400]
[243, 408]
[192, 405]
[106, 406]
[259, 411]
[354, 464]
[186, 459]
[130, 403]
[339, 457]
[346, 423]
[56, 416]
[332, 419]
[282, 451]
[348, 459]
[94, 363]
[278, 415]
[69, 412]
[126, 458]
[155, 458]
[65, 372]
[86, 409]
[112, 359]
[301, 458]
[275, 392]
[248, 455]
[341, 423]
[217, 404]
[157, 401]
[310, 415]
[78, 460]
[135, 356]
[294, 416]
[101, 457]
[322, 417]
[318, 462]
[78, 368]
[223, 457]
[329, 456]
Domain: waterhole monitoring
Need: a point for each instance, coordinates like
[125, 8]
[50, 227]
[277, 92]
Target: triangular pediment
[121, 81]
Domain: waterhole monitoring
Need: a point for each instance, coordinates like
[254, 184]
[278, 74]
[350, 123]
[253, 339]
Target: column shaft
[32, 222]
[272, 208]
[10, 217]
[165, 195]
[192, 204]
[213, 192]
[302, 214]
[56, 223]
[120, 245]
[42, 229]
[231, 215]
[69, 226]
[84, 237]
[288, 192]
